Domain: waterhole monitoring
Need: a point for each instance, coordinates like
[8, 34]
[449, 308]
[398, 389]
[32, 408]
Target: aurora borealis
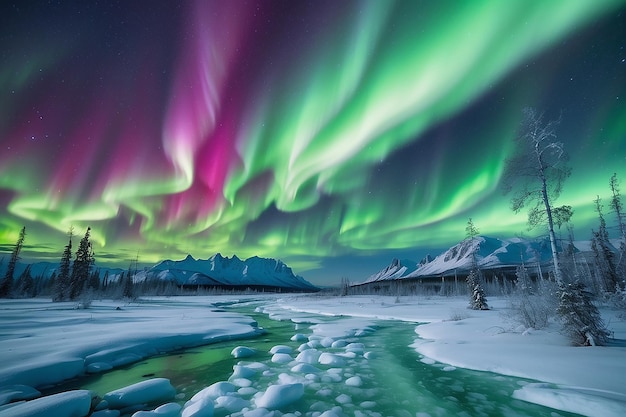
[330, 134]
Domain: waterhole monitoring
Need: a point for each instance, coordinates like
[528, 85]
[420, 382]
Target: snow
[43, 342]
[149, 391]
[488, 341]
[68, 404]
[492, 252]
[278, 396]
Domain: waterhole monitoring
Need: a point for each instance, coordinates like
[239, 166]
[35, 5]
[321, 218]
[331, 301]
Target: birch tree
[535, 175]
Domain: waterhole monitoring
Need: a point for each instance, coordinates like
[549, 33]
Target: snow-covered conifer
[580, 317]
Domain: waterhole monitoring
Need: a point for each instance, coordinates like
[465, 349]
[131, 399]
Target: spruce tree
[604, 256]
[62, 282]
[81, 267]
[580, 317]
[478, 301]
[6, 285]
[618, 208]
[25, 285]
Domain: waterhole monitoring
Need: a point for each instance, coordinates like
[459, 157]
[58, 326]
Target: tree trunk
[555, 259]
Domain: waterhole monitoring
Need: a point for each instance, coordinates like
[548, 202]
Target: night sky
[333, 135]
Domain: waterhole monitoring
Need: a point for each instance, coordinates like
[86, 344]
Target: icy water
[395, 381]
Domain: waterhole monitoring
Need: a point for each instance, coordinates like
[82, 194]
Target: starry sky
[333, 135]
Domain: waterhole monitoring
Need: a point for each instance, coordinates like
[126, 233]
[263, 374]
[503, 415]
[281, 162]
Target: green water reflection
[395, 382]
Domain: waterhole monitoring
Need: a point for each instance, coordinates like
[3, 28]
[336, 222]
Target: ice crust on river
[43, 343]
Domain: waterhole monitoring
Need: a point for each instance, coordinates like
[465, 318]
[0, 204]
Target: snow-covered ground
[42, 343]
[492, 341]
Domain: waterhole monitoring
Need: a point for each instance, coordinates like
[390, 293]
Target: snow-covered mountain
[215, 271]
[220, 270]
[492, 253]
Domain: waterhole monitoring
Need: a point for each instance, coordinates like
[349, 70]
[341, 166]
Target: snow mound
[588, 402]
[278, 396]
[67, 404]
[150, 391]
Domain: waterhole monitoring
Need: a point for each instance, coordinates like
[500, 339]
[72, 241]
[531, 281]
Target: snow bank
[44, 343]
[67, 404]
[574, 400]
[483, 340]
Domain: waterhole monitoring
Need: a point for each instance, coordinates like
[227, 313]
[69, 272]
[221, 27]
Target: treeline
[77, 278]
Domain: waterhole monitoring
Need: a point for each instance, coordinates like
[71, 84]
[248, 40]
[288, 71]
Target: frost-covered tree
[61, 286]
[604, 255]
[616, 205]
[536, 173]
[81, 267]
[618, 209]
[25, 284]
[128, 288]
[6, 285]
[580, 317]
[478, 301]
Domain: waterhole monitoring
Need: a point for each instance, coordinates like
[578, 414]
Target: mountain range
[491, 253]
[216, 271]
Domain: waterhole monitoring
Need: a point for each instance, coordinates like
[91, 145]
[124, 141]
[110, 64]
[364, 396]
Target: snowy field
[44, 343]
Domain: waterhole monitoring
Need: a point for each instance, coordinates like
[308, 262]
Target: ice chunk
[286, 379]
[281, 349]
[231, 404]
[305, 368]
[215, 390]
[343, 399]
[201, 408]
[278, 396]
[242, 352]
[241, 382]
[68, 404]
[246, 391]
[331, 359]
[152, 390]
[17, 392]
[303, 347]
[281, 358]
[241, 371]
[357, 348]
[367, 404]
[166, 410]
[327, 342]
[257, 366]
[330, 413]
[259, 412]
[299, 337]
[309, 356]
[339, 343]
[354, 381]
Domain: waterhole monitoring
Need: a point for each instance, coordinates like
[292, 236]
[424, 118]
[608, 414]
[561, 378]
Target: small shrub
[533, 311]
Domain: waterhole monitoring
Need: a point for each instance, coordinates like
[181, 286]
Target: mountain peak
[490, 253]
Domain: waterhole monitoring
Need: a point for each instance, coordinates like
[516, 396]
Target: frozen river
[370, 370]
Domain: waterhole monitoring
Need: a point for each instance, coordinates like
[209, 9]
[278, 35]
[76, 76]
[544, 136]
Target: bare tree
[535, 174]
